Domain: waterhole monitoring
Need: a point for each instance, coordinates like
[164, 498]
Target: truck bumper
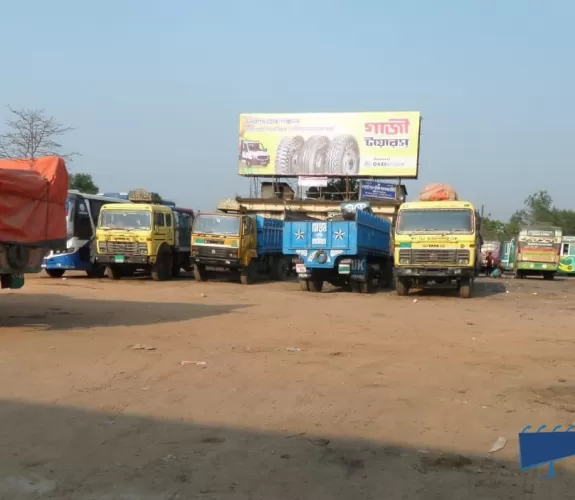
[142, 260]
[218, 263]
[434, 272]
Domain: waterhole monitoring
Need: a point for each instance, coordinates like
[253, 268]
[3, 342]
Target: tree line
[30, 133]
[538, 209]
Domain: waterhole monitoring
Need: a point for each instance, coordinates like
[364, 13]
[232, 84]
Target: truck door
[160, 229]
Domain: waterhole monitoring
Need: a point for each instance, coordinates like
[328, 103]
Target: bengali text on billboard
[379, 144]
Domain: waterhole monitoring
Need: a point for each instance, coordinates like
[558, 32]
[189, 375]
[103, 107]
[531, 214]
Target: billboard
[375, 144]
[376, 190]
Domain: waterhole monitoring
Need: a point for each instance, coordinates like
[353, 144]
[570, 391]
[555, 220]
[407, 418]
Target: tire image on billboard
[343, 156]
[313, 155]
[287, 160]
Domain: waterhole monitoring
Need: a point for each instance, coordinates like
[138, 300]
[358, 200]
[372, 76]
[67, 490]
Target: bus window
[565, 249]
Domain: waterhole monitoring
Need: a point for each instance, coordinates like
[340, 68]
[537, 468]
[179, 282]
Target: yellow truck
[436, 243]
[144, 234]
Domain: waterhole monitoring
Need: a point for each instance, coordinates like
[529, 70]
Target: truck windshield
[255, 146]
[125, 219]
[217, 224]
[435, 221]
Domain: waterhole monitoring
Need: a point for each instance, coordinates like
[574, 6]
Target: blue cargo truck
[351, 250]
[238, 243]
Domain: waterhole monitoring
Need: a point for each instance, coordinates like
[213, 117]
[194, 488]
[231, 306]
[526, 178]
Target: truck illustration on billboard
[330, 144]
[254, 153]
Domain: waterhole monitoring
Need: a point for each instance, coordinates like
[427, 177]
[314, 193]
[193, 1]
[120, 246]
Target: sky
[154, 89]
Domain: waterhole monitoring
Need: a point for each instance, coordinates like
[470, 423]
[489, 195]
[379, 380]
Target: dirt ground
[296, 395]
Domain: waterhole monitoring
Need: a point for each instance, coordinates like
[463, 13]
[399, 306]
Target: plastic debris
[293, 349]
[143, 347]
[198, 363]
[498, 445]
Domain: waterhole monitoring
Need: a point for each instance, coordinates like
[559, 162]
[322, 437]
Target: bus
[82, 211]
[567, 261]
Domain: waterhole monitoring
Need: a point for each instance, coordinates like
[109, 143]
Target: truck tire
[162, 269]
[55, 273]
[96, 272]
[248, 275]
[549, 276]
[280, 269]
[200, 273]
[114, 272]
[466, 288]
[367, 286]
[287, 155]
[315, 285]
[304, 285]
[176, 267]
[343, 156]
[355, 288]
[18, 256]
[386, 280]
[313, 155]
[401, 287]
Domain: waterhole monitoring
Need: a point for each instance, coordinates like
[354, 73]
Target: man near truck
[489, 264]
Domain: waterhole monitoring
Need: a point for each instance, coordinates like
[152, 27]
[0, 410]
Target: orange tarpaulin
[33, 201]
[438, 192]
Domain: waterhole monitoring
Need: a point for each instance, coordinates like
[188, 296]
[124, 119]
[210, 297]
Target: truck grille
[216, 252]
[123, 247]
[432, 256]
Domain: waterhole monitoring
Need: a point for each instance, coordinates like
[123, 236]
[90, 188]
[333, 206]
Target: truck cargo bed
[269, 235]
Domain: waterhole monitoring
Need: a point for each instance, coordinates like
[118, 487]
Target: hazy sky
[155, 88]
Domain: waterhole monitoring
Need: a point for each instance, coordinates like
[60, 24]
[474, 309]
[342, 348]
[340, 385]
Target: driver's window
[565, 250]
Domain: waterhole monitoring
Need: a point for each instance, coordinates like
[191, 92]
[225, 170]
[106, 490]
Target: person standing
[489, 264]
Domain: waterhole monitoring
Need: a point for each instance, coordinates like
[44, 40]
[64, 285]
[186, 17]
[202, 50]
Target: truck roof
[436, 204]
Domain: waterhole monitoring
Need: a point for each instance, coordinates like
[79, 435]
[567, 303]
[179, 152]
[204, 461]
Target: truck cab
[437, 242]
[144, 235]
[237, 243]
[254, 153]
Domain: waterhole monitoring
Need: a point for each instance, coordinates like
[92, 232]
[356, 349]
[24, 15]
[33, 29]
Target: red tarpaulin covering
[33, 201]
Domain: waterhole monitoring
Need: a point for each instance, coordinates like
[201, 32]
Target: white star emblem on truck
[299, 234]
[339, 234]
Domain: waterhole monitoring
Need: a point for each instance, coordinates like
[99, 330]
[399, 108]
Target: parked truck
[145, 235]
[538, 251]
[352, 250]
[32, 215]
[436, 243]
[238, 243]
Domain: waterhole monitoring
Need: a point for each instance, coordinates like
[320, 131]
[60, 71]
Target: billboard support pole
[347, 187]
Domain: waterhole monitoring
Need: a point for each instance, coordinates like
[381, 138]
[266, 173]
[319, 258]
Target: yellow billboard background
[379, 144]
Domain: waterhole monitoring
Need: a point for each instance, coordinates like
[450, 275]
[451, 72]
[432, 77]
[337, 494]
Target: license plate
[300, 268]
[119, 259]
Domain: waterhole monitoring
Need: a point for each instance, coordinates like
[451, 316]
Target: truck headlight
[464, 261]
[404, 260]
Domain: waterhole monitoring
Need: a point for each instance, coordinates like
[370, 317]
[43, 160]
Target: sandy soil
[297, 395]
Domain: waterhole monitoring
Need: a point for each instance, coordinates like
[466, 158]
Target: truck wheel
[55, 273]
[367, 286]
[401, 287]
[200, 273]
[343, 156]
[162, 269]
[549, 276]
[287, 155]
[114, 272]
[466, 288]
[315, 285]
[312, 156]
[247, 275]
[280, 270]
[96, 272]
[355, 288]
[387, 275]
[304, 285]
[176, 268]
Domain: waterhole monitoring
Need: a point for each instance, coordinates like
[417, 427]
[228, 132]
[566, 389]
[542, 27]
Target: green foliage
[538, 209]
[83, 183]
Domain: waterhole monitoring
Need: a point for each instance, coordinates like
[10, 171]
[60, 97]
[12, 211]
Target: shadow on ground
[482, 288]
[65, 453]
[55, 312]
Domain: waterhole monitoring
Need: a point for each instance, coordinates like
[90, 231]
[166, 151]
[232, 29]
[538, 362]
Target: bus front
[538, 252]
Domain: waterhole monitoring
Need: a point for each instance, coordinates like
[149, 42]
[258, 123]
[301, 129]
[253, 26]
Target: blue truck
[351, 250]
[236, 242]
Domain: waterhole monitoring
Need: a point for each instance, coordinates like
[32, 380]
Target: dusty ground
[302, 396]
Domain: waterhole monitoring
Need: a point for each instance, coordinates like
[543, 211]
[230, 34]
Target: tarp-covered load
[33, 201]
[438, 192]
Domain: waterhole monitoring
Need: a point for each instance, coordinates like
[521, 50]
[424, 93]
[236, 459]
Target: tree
[31, 134]
[83, 183]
